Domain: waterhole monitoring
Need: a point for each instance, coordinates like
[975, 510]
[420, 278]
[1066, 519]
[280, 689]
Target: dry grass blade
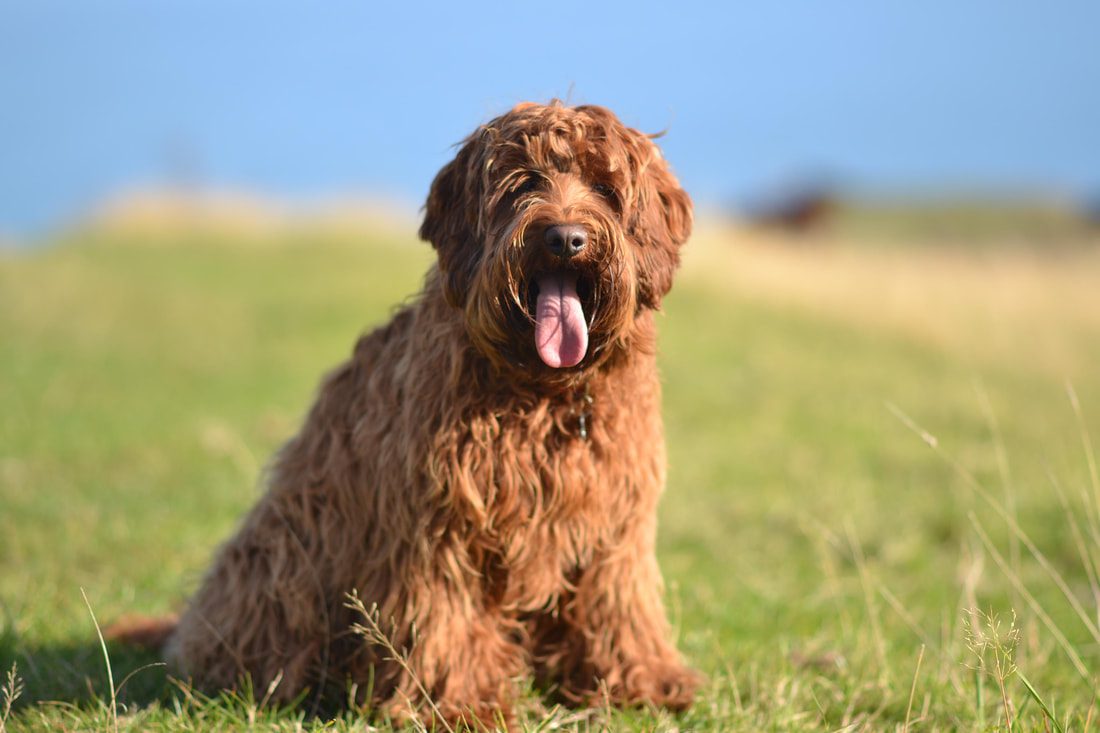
[913, 690]
[869, 600]
[142, 668]
[373, 633]
[10, 692]
[1017, 531]
[994, 648]
[1086, 441]
[1002, 468]
[895, 603]
[1083, 552]
[1074, 658]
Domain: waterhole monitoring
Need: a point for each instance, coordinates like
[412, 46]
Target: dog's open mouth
[561, 331]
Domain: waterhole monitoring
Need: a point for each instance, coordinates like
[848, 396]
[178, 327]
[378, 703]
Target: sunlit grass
[865, 443]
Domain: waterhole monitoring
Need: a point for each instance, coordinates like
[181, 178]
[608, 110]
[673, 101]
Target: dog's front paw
[660, 683]
[655, 682]
[484, 716]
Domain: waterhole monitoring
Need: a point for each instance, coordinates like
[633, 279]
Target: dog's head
[555, 228]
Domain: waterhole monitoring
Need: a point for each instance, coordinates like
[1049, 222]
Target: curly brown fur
[499, 512]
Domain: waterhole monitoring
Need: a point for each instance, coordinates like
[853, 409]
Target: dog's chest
[554, 524]
[551, 467]
[551, 487]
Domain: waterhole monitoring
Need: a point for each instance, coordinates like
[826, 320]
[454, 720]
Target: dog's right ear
[451, 221]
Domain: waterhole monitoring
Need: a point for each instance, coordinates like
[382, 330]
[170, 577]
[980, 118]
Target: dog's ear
[451, 221]
[661, 224]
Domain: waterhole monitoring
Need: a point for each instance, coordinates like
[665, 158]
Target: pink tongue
[561, 334]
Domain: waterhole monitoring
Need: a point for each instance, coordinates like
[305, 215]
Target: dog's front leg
[623, 636]
[463, 660]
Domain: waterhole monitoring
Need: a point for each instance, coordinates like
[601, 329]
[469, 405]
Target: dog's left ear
[451, 221]
[662, 223]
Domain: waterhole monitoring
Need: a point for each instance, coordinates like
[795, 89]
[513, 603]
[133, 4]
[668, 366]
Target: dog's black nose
[566, 240]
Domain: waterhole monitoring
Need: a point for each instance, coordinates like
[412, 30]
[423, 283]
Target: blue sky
[312, 99]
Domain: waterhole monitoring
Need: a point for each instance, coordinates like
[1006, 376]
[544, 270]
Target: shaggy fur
[499, 512]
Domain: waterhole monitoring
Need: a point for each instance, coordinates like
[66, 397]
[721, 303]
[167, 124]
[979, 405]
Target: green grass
[966, 223]
[825, 565]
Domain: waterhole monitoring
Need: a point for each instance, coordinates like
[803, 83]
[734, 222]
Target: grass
[968, 222]
[883, 511]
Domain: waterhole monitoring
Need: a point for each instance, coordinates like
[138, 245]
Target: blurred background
[768, 109]
[880, 357]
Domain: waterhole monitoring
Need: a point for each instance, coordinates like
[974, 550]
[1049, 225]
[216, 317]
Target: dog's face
[555, 228]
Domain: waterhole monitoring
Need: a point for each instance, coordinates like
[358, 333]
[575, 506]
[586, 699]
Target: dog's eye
[527, 184]
[604, 190]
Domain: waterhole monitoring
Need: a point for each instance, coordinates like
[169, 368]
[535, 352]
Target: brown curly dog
[485, 468]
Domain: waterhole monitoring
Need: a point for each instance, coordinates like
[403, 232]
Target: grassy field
[883, 509]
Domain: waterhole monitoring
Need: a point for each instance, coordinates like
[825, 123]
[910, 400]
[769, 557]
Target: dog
[484, 471]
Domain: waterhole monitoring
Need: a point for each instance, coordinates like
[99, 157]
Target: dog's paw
[662, 684]
[481, 717]
[657, 683]
[484, 716]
